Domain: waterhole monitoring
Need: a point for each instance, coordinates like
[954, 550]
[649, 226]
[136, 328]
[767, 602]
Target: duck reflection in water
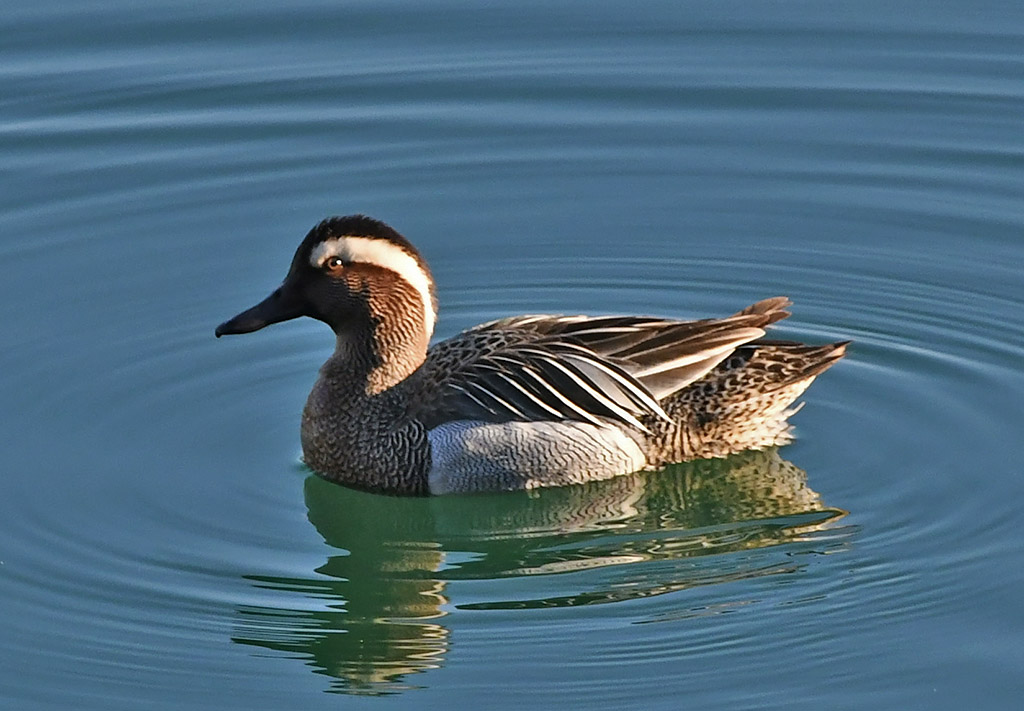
[375, 614]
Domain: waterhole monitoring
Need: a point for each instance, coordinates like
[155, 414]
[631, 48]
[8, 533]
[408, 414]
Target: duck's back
[548, 400]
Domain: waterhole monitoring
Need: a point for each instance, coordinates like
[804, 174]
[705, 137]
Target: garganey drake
[525, 401]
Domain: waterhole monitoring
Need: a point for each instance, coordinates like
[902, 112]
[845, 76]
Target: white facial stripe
[382, 254]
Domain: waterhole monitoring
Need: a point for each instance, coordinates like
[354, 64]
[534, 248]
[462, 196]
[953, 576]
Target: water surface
[161, 545]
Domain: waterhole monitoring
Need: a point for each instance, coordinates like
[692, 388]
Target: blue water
[161, 544]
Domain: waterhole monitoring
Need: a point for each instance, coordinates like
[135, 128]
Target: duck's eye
[334, 262]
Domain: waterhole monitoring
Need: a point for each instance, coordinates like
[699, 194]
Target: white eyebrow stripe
[383, 254]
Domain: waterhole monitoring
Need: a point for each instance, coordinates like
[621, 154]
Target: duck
[522, 402]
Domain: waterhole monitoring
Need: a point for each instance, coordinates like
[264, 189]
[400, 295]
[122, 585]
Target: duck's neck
[399, 348]
[379, 350]
[356, 428]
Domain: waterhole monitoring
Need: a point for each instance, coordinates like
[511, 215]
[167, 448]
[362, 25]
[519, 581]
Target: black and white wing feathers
[590, 369]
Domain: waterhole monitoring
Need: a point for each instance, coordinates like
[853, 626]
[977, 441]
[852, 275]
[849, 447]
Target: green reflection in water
[374, 614]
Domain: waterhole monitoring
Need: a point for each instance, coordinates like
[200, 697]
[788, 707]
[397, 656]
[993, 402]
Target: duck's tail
[743, 403]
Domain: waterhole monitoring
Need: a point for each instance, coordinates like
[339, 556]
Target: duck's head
[349, 272]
